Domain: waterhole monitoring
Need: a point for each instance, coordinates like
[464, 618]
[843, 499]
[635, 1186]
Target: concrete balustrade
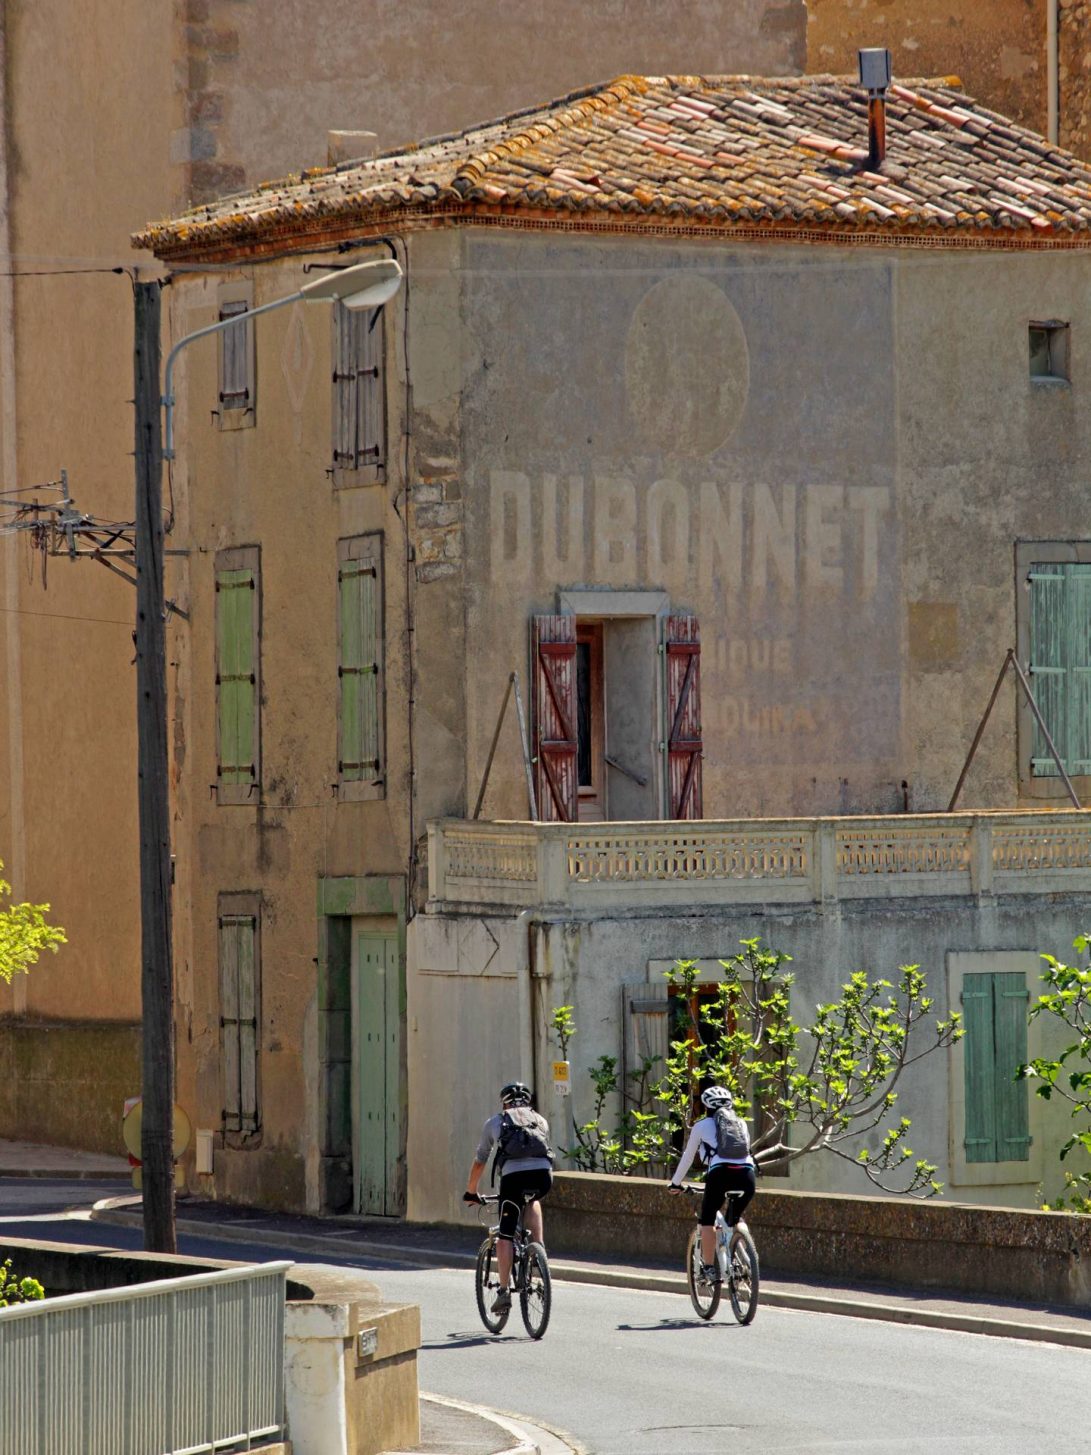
[734, 862]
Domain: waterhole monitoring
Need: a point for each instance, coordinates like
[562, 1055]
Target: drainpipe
[1053, 72]
[526, 1001]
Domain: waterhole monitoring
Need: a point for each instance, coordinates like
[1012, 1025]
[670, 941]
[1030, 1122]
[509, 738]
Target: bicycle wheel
[703, 1294]
[486, 1287]
[536, 1294]
[743, 1278]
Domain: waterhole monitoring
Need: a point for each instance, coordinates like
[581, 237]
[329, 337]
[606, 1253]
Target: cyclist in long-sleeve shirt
[723, 1142]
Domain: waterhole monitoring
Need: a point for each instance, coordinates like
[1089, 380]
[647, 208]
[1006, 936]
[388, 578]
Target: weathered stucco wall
[265, 87]
[996, 47]
[827, 454]
[589, 963]
[234, 489]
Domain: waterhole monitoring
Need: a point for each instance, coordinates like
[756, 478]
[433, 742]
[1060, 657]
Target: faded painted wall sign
[717, 424]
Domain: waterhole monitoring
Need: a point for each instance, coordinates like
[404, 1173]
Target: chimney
[350, 146]
[875, 78]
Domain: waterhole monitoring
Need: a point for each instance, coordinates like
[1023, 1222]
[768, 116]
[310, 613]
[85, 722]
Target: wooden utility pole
[157, 969]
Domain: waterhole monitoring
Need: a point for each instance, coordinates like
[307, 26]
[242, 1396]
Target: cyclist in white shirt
[723, 1141]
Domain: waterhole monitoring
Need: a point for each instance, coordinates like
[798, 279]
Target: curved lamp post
[365, 285]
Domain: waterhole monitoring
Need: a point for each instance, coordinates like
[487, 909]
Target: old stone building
[751, 452]
[134, 113]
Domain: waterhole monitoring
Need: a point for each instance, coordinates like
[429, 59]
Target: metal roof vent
[875, 72]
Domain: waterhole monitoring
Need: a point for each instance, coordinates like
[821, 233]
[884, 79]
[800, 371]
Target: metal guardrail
[181, 1366]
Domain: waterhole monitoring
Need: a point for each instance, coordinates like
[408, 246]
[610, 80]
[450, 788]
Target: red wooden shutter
[682, 641]
[554, 653]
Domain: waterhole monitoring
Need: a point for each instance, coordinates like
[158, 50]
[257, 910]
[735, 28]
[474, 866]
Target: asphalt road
[631, 1373]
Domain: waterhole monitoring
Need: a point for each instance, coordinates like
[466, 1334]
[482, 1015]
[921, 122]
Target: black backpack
[523, 1133]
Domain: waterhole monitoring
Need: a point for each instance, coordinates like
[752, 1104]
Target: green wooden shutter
[977, 1012]
[236, 677]
[239, 1021]
[1077, 755]
[1010, 996]
[1047, 664]
[360, 669]
[994, 1007]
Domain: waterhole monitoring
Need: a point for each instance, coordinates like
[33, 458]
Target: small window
[240, 1018]
[359, 392]
[235, 408]
[238, 675]
[1049, 350]
[361, 768]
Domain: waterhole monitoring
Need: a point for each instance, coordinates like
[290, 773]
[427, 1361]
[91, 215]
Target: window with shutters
[361, 767]
[1055, 644]
[238, 675]
[237, 392]
[994, 1010]
[995, 1123]
[359, 395]
[240, 1016]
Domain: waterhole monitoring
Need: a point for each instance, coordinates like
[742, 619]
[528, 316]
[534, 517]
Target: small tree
[17, 1290]
[1067, 997]
[24, 934]
[807, 1089]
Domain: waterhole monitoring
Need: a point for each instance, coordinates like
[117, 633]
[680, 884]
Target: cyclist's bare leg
[504, 1258]
[708, 1245]
[532, 1217]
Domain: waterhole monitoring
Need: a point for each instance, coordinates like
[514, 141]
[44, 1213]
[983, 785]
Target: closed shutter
[235, 390]
[239, 1022]
[237, 679]
[1047, 664]
[1077, 754]
[994, 1008]
[1010, 997]
[682, 655]
[1060, 665]
[360, 666]
[359, 389]
[553, 647]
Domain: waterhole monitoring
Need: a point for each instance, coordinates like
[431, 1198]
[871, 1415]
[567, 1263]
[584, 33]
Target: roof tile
[718, 149]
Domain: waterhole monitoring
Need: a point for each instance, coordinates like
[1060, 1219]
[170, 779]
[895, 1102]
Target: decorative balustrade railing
[177, 1367]
[749, 860]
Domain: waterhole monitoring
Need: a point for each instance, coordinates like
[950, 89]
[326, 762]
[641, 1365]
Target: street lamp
[364, 285]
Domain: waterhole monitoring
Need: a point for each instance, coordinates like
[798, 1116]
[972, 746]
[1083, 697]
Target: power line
[63, 616]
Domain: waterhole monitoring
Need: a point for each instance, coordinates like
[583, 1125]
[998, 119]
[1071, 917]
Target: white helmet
[715, 1097]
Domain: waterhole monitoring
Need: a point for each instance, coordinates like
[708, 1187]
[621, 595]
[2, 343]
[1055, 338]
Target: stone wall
[1035, 1256]
[66, 1082]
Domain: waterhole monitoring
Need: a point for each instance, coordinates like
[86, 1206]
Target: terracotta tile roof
[724, 152]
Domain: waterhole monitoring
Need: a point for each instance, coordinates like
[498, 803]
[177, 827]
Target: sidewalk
[383, 1239]
[452, 1427]
[33, 1159]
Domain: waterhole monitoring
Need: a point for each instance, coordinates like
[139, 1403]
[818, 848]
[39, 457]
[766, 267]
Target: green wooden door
[376, 1073]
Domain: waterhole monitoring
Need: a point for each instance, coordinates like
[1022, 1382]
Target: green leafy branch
[24, 934]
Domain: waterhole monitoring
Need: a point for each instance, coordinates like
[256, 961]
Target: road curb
[616, 1278]
[67, 1174]
[530, 1437]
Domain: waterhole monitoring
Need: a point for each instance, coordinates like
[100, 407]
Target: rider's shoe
[710, 1272]
[502, 1302]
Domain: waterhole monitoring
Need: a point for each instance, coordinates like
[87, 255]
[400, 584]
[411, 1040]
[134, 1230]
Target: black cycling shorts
[517, 1188]
[719, 1181]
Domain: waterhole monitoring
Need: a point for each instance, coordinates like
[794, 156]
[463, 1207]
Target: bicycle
[529, 1278]
[738, 1263]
